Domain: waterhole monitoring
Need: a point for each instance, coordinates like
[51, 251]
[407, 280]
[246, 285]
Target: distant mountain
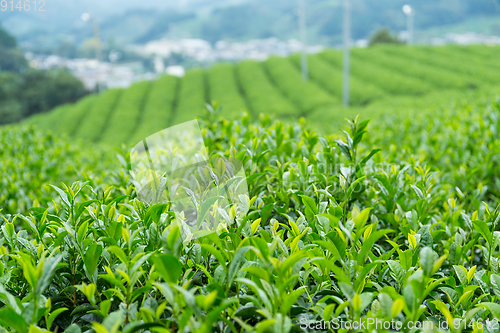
[122, 20]
[131, 21]
[243, 20]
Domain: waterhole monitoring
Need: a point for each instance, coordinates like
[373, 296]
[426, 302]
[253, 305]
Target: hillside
[394, 223]
[275, 87]
[127, 22]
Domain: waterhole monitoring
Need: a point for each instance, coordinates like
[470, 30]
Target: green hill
[275, 87]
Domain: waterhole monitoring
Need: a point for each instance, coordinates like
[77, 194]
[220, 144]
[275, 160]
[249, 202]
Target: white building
[92, 72]
[201, 50]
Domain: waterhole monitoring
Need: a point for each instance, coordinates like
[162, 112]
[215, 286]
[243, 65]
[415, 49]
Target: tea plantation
[393, 221]
[275, 87]
[392, 225]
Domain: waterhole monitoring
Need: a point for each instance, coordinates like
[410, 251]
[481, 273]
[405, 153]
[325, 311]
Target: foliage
[392, 82]
[36, 91]
[224, 89]
[384, 36]
[10, 108]
[157, 108]
[127, 114]
[336, 228]
[479, 68]
[330, 78]
[191, 98]
[25, 91]
[41, 91]
[29, 160]
[434, 76]
[70, 121]
[100, 113]
[260, 93]
[12, 59]
[307, 95]
[379, 76]
[6, 39]
[52, 120]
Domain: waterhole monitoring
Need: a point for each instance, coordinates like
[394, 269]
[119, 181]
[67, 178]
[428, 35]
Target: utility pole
[347, 55]
[410, 14]
[303, 37]
[98, 52]
[86, 17]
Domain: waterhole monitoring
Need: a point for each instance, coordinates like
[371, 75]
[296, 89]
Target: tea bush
[472, 67]
[397, 220]
[435, 76]
[224, 88]
[307, 95]
[100, 113]
[31, 160]
[487, 52]
[486, 67]
[330, 78]
[51, 120]
[127, 113]
[260, 92]
[275, 87]
[191, 98]
[157, 109]
[391, 81]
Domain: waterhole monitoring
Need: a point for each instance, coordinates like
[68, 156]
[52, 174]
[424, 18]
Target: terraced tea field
[392, 223]
[275, 87]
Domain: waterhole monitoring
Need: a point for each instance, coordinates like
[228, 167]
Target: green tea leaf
[309, 203]
[427, 260]
[9, 318]
[92, 257]
[495, 283]
[168, 266]
[236, 262]
[461, 274]
[483, 229]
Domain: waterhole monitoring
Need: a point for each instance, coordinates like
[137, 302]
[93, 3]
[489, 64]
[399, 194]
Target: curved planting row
[273, 87]
[65, 118]
[50, 120]
[191, 98]
[434, 76]
[262, 95]
[97, 117]
[330, 78]
[484, 51]
[157, 108]
[224, 89]
[70, 121]
[126, 115]
[487, 68]
[465, 65]
[388, 80]
[305, 94]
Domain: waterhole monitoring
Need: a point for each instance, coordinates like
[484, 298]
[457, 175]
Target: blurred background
[62, 51]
